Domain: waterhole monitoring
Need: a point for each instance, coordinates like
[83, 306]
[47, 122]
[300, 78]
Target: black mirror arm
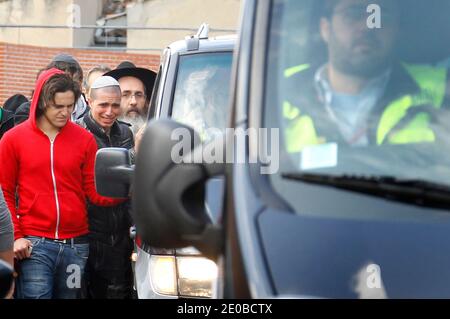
[197, 230]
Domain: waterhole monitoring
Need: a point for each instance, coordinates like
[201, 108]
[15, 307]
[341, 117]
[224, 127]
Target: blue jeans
[54, 270]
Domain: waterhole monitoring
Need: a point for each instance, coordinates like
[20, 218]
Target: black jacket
[7, 122]
[109, 224]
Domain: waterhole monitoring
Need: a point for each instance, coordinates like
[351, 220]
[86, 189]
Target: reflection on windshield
[202, 92]
[362, 86]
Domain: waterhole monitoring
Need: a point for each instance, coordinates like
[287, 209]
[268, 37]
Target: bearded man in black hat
[136, 85]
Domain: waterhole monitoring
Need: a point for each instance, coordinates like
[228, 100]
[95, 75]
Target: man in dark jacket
[7, 112]
[109, 273]
[6, 121]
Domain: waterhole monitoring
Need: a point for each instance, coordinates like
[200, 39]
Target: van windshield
[202, 92]
[361, 88]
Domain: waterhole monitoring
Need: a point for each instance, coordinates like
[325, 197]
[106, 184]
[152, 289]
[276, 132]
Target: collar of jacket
[81, 108]
[97, 130]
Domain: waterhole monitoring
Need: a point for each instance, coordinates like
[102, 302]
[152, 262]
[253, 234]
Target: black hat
[127, 68]
[67, 58]
[14, 101]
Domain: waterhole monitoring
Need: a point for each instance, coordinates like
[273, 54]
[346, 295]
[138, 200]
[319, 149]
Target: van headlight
[197, 276]
[186, 276]
[163, 274]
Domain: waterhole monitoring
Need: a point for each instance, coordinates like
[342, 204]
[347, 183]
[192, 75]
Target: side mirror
[113, 172]
[6, 278]
[169, 195]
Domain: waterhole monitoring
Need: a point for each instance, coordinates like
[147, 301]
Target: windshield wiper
[417, 192]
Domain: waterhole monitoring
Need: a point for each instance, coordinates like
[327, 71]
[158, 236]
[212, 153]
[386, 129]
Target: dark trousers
[108, 271]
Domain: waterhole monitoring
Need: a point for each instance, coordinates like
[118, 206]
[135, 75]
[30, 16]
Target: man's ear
[325, 29]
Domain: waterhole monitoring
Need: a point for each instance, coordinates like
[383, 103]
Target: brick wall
[19, 64]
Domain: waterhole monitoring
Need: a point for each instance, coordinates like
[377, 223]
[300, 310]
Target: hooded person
[137, 86]
[92, 75]
[49, 161]
[70, 66]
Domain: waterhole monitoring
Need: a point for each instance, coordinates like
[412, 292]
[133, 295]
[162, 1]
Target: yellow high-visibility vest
[300, 130]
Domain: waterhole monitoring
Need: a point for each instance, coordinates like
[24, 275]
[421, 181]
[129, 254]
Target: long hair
[58, 83]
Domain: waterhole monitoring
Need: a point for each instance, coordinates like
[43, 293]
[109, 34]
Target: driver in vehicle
[364, 94]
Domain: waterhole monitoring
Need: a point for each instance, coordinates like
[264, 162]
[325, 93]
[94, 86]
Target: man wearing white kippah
[108, 270]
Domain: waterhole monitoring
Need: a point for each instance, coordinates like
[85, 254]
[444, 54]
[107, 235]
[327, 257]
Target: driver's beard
[136, 122]
[366, 67]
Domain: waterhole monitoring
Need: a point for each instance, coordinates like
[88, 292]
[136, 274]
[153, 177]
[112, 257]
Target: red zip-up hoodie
[52, 178]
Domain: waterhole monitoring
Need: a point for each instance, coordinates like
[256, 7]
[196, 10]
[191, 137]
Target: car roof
[194, 44]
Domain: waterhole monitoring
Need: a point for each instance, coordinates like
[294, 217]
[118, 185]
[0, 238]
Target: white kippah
[104, 81]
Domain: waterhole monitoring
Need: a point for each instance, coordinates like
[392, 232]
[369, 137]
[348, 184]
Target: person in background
[6, 232]
[70, 65]
[6, 235]
[92, 75]
[137, 86]
[14, 102]
[7, 113]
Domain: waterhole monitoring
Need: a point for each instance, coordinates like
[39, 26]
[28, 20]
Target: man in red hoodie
[48, 161]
